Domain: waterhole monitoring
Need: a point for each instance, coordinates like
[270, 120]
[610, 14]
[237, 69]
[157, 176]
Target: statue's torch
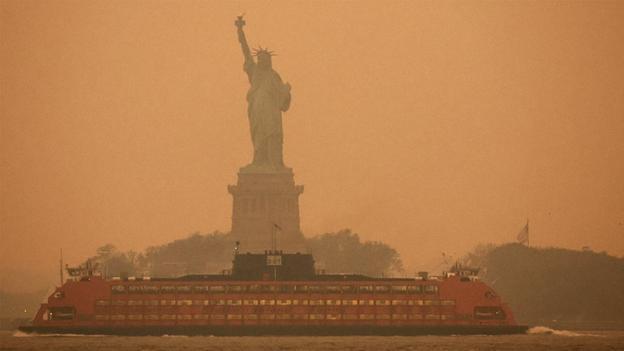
[240, 22]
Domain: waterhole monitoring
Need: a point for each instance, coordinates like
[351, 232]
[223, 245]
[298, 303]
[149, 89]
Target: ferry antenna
[61, 266]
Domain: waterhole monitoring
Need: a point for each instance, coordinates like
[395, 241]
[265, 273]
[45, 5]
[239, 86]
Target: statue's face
[264, 61]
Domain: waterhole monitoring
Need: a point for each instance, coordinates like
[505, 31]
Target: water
[538, 338]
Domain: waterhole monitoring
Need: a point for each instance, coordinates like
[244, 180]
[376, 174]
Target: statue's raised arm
[267, 98]
[239, 23]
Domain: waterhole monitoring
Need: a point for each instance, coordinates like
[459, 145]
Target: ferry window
[235, 316]
[198, 302]
[285, 288]
[317, 302]
[399, 289]
[382, 302]
[61, 313]
[200, 289]
[118, 303]
[217, 316]
[250, 316]
[431, 289]
[282, 316]
[349, 316]
[152, 317]
[317, 316]
[135, 317]
[314, 289]
[301, 288]
[150, 302]
[135, 289]
[432, 316]
[399, 316]
[447, 302]
[366, 316]
[102, 303]
[135, 302]
[167, 316]
[446, 316]
[217, 289]
[333, 302]
[234, 302]
[250, 302]
[267, 316]
[333, 316]
[350, 302]
[332, 289]
[382, 288]
[269, 288]
[118, 289]
[348, 289]
[415, 289]
[185, 302]
[235, 289]
[432, 302]
[254, 288]
[489, 312]
[167, 289]
[383, 316]
[415, 316]
[365, 288]
[300, 316]
[399, 302]
[118, 317]
[184, 289]
[101, 317]
[150, 289]
[366, 302]
[284, 302]
[267, 302]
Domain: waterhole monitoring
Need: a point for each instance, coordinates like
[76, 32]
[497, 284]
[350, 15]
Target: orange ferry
[275, 293]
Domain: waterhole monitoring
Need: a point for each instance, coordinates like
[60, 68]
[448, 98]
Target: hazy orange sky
[430, 125]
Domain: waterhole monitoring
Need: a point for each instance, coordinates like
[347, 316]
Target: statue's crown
[262, 51]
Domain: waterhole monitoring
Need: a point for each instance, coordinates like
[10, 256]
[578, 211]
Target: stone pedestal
[265, 203]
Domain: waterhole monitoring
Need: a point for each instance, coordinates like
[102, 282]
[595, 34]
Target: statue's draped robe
[267, 97]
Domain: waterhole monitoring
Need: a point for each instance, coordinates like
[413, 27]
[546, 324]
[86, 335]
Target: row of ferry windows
[278, 302]
[330, 289]
[272, 316]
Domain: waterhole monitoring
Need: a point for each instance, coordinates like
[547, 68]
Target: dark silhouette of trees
[340, 252]
[196, 254]
[343, 252]
[551, 286]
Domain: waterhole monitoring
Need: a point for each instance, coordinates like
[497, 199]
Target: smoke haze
[432, 126]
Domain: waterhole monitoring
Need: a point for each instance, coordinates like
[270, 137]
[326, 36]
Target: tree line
[337, 252]
[554, 286]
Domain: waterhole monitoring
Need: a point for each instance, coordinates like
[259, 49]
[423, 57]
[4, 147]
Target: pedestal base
[266, 203]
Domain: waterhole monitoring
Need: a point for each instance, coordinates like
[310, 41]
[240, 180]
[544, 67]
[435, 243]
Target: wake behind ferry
[275, 293]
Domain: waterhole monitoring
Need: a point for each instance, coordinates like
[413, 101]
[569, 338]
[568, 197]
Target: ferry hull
[281, 330]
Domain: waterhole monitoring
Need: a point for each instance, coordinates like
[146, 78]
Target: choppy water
[538, 338]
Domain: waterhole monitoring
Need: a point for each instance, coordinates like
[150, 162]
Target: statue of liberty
[267, 98]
